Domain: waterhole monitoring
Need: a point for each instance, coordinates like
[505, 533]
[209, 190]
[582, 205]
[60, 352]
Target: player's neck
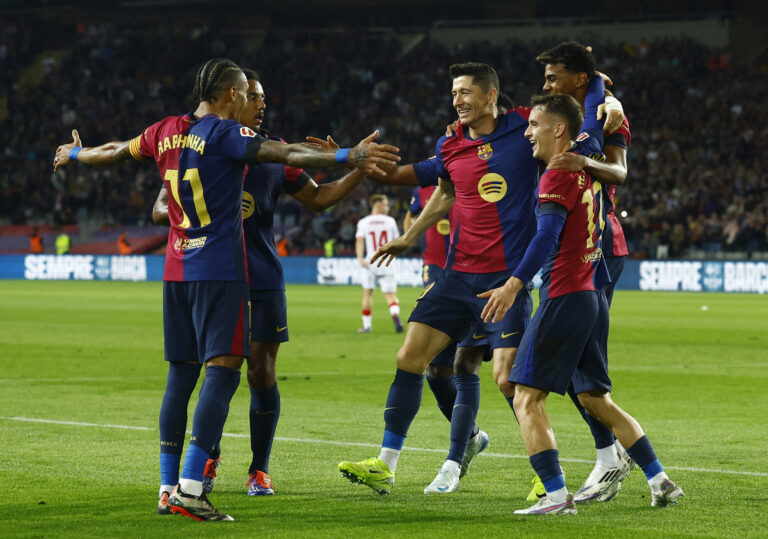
[561, 146]
[580, 95]
[484, 125]
[205, 108]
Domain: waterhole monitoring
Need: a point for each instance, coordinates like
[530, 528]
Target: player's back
[495, 183]
[437, 239]
[377, 230]
[200, 161]
[577, 264]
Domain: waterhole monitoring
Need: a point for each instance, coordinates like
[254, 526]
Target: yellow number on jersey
[594, 201]
[192, 176]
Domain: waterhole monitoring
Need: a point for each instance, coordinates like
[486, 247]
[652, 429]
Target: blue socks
[464, 413]
[643, 454]
[403, 403]
[264, 413]
[444, 390]
[547, 466]
[182, 379]
[602, 434]
[210, 415]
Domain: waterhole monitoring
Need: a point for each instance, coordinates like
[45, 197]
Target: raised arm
[435, 209]
[160, 209]
[612, 171]
[111, 153]
[319, 197]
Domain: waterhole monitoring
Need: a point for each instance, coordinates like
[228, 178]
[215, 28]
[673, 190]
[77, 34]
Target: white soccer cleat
[545, 506]
[447, 479]
[603, 484]
[668, 494]
[624, 455]
[477, 444]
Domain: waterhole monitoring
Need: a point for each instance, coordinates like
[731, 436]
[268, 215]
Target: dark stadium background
[693, 77]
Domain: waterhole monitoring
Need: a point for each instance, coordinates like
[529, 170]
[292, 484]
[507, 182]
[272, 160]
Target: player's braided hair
[564, 106]
[214, 76]
[574, 56]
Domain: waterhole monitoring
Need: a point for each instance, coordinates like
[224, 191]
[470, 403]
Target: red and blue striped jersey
[202, 165]
[577, 263]
[437, 240]
[495, 182]
[614, 242]
[263, 185]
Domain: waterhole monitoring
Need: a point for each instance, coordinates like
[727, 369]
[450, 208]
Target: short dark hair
[215, 76]
[250, 74]
[573, 55]
[483, 75]
[375, 199]
[564, 106]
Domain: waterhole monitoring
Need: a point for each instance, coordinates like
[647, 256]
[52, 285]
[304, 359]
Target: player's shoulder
[553, 176]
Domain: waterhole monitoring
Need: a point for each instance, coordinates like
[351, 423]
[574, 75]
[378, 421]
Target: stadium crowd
[696, 178]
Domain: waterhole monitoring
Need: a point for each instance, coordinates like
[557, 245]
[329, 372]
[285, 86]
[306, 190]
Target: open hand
[329, 143]
[500, 300]
[62, 152]
[368, 154]
[388, 252]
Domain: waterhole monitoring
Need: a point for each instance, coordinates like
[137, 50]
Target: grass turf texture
[92, 352]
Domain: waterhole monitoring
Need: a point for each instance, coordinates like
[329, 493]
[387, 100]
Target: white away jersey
[377, 230]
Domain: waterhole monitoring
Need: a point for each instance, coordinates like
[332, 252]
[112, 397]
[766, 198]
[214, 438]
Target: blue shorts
[205, 319]
[566, 342]
[615, 267]
[430, 273]
[451, 305]
[269, 316]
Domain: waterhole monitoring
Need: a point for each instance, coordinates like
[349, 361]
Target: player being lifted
[566, 342]
[269, 320]
[202, 157]
[373, 231]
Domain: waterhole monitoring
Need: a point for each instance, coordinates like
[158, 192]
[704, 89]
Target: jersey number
[382, 239]
[593, 198]
[192, 175]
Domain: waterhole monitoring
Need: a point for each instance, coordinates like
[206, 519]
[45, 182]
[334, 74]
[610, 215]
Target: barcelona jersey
[202, 164]
[495, 182]
[263, 185]
[577, 263]
[614, 242]
[437, 239]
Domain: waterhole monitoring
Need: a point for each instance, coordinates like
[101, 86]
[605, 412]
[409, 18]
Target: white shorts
[385, 278]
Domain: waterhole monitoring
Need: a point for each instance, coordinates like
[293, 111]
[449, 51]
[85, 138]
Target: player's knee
[468, 360]
[408, 360]
[439, 371]
[596, 405]
[505, 386]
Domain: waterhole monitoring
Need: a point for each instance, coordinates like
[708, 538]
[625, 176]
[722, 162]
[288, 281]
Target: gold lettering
[201, 147]
[166, 144]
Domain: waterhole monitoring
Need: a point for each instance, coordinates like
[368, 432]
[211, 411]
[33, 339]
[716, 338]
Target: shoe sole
[181, 511]
[356, 480]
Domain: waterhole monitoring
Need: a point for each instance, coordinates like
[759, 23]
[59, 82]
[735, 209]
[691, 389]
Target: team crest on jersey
[582, 136]
[484, 151]
[492, 187]
[249, 205]
[247, 132]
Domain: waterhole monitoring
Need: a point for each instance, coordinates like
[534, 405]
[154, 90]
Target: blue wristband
[73, 153]
[342, 155]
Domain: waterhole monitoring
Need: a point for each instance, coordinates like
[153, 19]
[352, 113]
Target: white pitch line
[354, 444]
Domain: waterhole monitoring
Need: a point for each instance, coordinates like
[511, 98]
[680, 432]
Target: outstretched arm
[111, 153]
[367, 155]
[319, 197]
[160, 209]
[438, 205]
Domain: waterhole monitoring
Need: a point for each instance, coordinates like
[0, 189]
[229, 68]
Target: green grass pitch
[82, 378]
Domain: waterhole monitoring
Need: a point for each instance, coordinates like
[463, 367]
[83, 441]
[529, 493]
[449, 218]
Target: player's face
[470, 101]
[240, 97]
[384, 207]
[252, 114]
[558, 80]
[541, 133]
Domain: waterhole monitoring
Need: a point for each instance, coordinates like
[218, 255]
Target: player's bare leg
[394, 310]
[367, 306]
[600, 405]
[422, 343]
[264, 414]
[503, 359]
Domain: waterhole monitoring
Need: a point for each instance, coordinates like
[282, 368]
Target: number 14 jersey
[202, 163]
[377, 230]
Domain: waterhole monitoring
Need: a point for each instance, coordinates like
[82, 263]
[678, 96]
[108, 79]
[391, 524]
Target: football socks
[464, 413]
[264, 413]
[182, 379]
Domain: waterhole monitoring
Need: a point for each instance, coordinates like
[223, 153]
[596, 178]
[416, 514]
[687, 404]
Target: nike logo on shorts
[476, 336]
[505, 335]
[280, 330]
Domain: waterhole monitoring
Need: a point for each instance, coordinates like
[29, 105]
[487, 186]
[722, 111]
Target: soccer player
[269, 320]
[202, 157]
[566, 342]
[489, 172]
[373, 231]
[568, 68]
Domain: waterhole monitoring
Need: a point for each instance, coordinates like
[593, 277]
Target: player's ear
[560, 129]
[493, 95]
[581, 79]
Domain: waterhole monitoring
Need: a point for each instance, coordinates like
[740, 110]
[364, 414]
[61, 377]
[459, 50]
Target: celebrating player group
[511, 190]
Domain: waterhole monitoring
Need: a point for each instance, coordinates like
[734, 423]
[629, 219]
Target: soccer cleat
[210, 474]
[447, 479]
[363, 330]
[398, 323]
[162, 504]
[603, 484]
[477, 444]
[197, 507]
[668, 494]
[545, 506]
[372, 473]
[624, 455]
[537, 491]
[259, 484]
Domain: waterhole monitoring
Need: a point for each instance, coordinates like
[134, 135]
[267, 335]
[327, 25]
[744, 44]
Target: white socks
[367, 318]
[390, 457]
[191, 487]
[608, 457]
